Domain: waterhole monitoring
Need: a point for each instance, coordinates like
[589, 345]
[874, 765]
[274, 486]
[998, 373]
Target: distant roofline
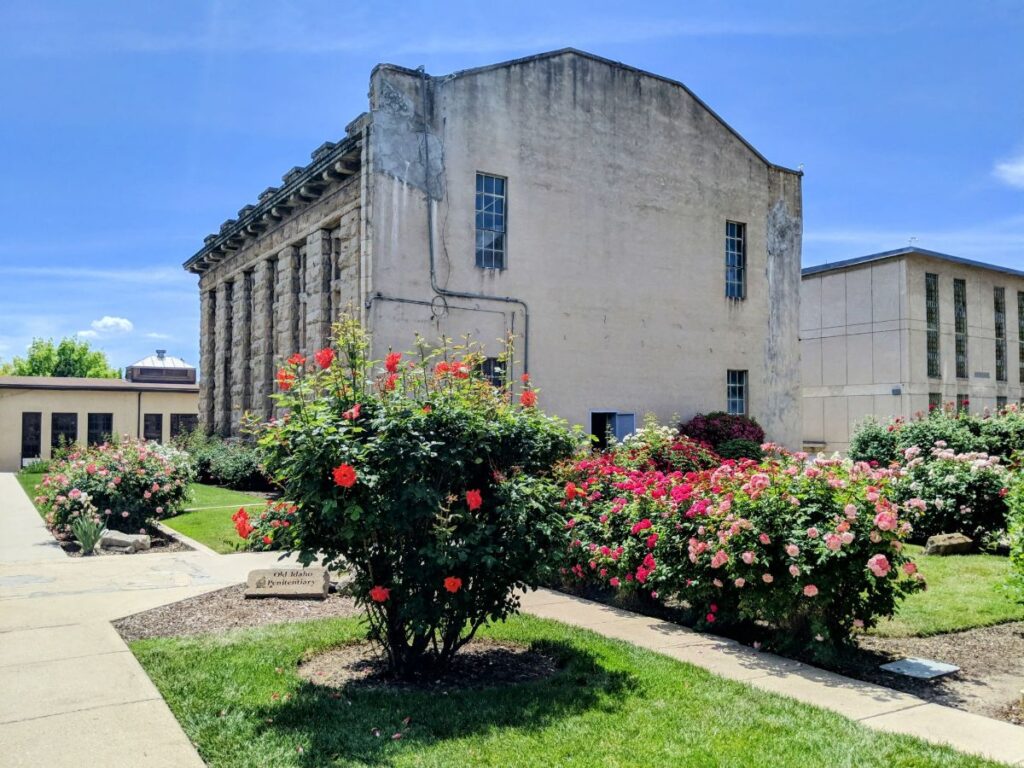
[84, 384]
[818, 269]
[609, 62]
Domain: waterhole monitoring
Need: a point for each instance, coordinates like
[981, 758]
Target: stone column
[241, 317]
[207, 357]
[222, 358]
[286, 304]
[262, 345]
[318, 290]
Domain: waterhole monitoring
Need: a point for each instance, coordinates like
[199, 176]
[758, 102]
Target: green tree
[70, 357]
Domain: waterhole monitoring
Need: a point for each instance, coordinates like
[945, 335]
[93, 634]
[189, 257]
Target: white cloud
[1011, 171]
[159, 336]
[108, 324]
[87, 335]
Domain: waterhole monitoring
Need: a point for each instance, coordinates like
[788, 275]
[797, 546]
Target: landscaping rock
[309, 583]
[125, 542]
[948, 544]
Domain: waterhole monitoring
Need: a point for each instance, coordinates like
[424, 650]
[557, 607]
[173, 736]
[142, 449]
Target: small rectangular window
[736, 393]
[934, 400]
[1000, 402]
[63, 429]
[735, 260]
[31, 435]
[493, 370]
[153, 427]
[931, 289]
[101, 427]
[963, 403]
[491, 221]
[183, 423]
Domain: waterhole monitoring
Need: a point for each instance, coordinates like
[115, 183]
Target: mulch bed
[480, 664]
[159, 543]
[228, 609]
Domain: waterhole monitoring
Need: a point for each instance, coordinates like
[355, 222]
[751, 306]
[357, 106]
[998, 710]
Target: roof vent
[161, 353]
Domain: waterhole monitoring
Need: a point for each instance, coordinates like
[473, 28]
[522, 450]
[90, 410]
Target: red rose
[441, 368]
[427, 409]
[460, 370]
[344, 475]
[391, 362]
[285, 379]
[525, 378]
[528, 398]
[267, 540]
[389, 382]
[379, 594]
[324, 357]
[296, 359]
[474, 500]
[453, 584]
[352, 413]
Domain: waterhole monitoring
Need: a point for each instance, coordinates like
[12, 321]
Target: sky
[129, 131]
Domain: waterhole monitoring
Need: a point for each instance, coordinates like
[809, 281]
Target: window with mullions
[63, 429]
[491, 215]
[931, 292]
[101, 427]
[960, 326]
[999, 312]
[736, 393]
[735, 260]
[493, 370]
[153, 427]
[934, 400]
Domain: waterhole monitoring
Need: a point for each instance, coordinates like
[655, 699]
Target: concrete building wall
[619, 188]
[127, 408]
[863, 337]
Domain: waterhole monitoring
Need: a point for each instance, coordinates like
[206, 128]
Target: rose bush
[803, 553]
[429, 484]
[1015, 530]
[268, 529]
[663, 448]
[128, 483]
[720, 427]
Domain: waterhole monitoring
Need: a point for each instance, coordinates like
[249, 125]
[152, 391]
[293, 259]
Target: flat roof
[95, 385]
[818, 269]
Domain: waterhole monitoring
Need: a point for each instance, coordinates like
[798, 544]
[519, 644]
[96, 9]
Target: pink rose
[885, 521]
[792, 550]
[879, 565]
[812, 532]
[740, 582]
[810, 590]
[910, 568]
[794, 571]
[747, 557]
[767, 578]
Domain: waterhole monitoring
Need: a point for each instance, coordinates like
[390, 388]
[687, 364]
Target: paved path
[872, 705]
[74, 693]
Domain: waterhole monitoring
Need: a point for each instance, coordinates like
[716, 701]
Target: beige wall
[863, 334]
[125, 407]
[619, 187]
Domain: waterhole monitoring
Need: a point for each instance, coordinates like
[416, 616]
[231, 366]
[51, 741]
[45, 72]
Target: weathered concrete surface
[619, 187]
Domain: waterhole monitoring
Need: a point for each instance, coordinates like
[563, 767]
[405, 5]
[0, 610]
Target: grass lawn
[610, 704]
[213, 527]
[29, 481]
[964, 591]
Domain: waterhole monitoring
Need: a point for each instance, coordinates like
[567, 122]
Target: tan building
[894, 333]
[646, 255]
[38, 413]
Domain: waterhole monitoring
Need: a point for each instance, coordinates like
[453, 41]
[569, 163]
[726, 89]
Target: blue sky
[128, 130]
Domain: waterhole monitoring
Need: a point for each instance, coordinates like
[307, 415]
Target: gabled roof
[611, 63]
[818, 269]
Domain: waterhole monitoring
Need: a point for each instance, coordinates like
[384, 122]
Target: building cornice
[331, 162]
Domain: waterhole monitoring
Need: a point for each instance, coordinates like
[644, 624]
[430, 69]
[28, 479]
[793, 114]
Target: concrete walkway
[72, 691]
[872, 705]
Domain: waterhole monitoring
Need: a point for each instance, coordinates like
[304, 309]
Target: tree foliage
[71, 357]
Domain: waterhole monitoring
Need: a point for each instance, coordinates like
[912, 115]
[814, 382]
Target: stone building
[894, 333]
[645, 254]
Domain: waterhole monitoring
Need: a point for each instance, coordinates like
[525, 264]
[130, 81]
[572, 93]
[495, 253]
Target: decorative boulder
[948, 544]
[124, 542]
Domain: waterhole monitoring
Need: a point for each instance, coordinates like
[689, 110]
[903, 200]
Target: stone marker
[924, 669]
[118, 541]
[948, 544]
[308, 583]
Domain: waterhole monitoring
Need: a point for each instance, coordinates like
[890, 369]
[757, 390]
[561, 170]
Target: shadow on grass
[341, 725]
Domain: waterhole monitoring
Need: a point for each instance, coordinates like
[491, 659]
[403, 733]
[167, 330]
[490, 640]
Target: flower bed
[121, 485]
[803, 554]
